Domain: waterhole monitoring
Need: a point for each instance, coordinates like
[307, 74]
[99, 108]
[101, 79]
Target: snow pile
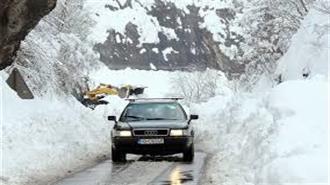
[300, 108]
[235, 129]
[276, 137]
[301, 114]
[45, 138]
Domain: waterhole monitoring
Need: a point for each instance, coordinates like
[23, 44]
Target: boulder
[17, 19]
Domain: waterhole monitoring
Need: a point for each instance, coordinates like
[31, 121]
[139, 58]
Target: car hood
[153, 124]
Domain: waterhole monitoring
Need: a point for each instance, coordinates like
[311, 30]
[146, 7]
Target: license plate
[151, 141]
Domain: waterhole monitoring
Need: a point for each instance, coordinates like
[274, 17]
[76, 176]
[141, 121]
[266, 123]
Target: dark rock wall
[17, 18]
[195, 48]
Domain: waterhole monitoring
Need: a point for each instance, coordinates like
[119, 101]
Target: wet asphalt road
[168, 170]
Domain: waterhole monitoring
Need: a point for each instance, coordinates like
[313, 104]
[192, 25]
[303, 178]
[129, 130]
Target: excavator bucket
[126, 91]
[123, 92]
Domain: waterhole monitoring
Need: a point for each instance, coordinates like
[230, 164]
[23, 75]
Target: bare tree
[196, 86]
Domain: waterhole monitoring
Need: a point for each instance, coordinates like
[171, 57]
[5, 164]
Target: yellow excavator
[94, 97]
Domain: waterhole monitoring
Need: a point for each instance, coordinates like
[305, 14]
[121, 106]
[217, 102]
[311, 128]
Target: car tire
[188, 155]
[117, 156]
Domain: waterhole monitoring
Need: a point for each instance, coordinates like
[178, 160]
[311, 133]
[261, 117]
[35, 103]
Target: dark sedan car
[154, 127]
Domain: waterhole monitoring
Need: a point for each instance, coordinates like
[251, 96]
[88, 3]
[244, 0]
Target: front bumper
[172, 145]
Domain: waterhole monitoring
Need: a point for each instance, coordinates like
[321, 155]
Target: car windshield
[153, 111]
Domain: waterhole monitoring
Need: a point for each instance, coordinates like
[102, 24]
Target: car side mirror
[112, 118]
[193, 116]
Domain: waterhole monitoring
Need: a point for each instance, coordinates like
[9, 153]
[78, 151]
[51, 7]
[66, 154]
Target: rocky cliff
[17, 19]
[193, 35]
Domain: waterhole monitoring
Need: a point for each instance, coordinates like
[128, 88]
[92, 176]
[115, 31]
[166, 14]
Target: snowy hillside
[187, 35]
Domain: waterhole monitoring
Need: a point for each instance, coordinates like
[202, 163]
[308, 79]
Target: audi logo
[150, 132]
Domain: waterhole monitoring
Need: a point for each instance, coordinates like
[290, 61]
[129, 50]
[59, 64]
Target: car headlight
[179, 132]
[123, 133]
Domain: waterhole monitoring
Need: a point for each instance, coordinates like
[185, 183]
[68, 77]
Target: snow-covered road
[143, 170]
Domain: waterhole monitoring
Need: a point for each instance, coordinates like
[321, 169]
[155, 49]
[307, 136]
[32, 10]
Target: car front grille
[150, 132]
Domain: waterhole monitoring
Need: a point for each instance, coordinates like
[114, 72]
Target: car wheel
[188, 155]
[117, 156]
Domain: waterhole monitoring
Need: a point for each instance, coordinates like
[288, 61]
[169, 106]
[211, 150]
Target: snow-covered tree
[270, 26]
[56, 53]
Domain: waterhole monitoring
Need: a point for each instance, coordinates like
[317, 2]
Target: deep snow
[44, 138]
[301, 115]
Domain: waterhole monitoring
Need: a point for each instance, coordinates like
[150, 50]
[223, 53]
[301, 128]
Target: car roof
[153, 101]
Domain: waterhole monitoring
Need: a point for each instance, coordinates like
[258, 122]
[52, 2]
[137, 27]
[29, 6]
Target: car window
[153, 111]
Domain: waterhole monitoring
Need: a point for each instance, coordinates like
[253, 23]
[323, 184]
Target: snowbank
[235, 130]
[302, 134]
[45, 138]
[300, 106]
[274, 135]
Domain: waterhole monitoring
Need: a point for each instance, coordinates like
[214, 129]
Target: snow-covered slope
[226, 35]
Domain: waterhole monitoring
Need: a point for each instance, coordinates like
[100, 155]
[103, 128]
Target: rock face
[17, 18]
[193, 49]
[234, 36]
[18, 84]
